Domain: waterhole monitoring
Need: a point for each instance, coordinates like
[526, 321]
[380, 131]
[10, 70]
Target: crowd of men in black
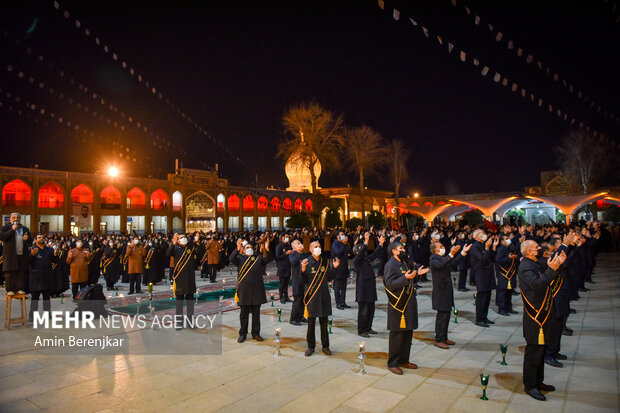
[549, 264]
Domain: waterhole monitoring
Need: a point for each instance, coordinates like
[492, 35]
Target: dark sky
[236, 67]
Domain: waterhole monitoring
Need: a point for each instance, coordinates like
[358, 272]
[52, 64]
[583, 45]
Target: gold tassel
[541, 337]
[306, 313]
[174, 288]
[403, 324]
[236, 298]
[509, 285]
[147, 267]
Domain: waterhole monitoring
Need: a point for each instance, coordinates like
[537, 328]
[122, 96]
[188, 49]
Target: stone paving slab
[247, 377]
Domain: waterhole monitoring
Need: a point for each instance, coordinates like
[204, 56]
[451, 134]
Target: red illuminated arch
[287, 205]
[308, 205]
[389, 208]
[51, 195]
[82, 194]
[136, 199]
[299, 205]
[16, 193]
[275, 204]
[428, 204]
[233, 203]
[221, 199]
[261, 204]
[248, 203]
[110, 197]
[159, 199]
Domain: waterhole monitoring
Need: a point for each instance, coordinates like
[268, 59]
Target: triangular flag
[439, 39]
[490, 27]
[484, 71]
[463, 56]
[514, 87]
[555, 77]
[505, 82]
[529, 58]
[476, 62]
[519, 52]
[450, 47]
[415, 23]
[425, 30]
[539, 64]
[454, 2]
[510, 45]
[499, 36]
[540, 102]
[396, 15]
[467, 10]
[497, 77]
[579, 94]
[381, 4]
[522, 92]
[477, 20]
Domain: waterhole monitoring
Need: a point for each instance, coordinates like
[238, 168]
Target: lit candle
[362, 345]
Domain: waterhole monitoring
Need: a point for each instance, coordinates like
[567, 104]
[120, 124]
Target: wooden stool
[7, 315]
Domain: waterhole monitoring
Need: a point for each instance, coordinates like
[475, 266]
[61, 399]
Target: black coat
[534, 283]
[481, 261]
[41, 272]
[251, 291]
[321, 304]
[61, 272]
[341, 251]
[366, 284]
[282, 261]
[9, 249]
[296, 281]
[510, 265]
[395, 280]
[443, 293]
[186, 279]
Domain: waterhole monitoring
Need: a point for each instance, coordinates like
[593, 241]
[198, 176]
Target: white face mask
[316, 251]
[183, 241]
[78, 244]
[415, 237]
[244, 243]
[508, 242]
[442, 251]
[150, 244]
[136, 242]
[286, 240]
[55, 247]
[483, 237]
[111, 243]
[342, 237]
[249, 252]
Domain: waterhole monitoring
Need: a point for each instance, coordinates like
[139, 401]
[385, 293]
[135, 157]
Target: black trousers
[533, 366]
[16, 280]
[34, 302]
[134, 283]
[399, 347]
[244, 317]
[381, 267]
[442, 320]
[504, 299]
[483, 299]
[204, 271]
[297, 309]
[553, 336]
[75, 287]
[212, 272]
[324, 333]
[109, 280]
[365, 315]
[284, 286]
[462, 279]
[340, 290]
[181, 300]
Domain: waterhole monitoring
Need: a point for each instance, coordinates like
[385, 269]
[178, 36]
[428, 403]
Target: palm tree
[365, 151]
[398, 155]
[314, 134]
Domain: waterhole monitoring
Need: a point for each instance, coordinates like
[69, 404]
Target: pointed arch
[159, 200]
[51, 195]
[16, 193]
[136, 199]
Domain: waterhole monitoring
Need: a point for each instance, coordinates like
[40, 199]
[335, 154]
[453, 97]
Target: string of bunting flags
[495, 76]
[144, 82]
[513, 46]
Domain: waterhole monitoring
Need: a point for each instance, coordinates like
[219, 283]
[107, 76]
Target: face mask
[402, 255]
[244, 243]
[150, 244]
[342, 237]
[55, 247]
[286, 240]
[183, 241]
[136, 242]
[111, 244]
[78, 244]
[317, 251]
[249, 252]
[90, 243]
[483, 237]
[442, 251]
[508, 242]
[415, 237]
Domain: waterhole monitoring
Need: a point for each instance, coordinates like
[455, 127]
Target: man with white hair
[481, 259]
[16, 241]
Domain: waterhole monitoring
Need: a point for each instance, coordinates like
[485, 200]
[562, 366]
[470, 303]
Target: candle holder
[107, 304]
[172, 291]
[197, 294]
[361, 370]
[504, 350]
[150, 288]
[330, 287]
[221, 303]
[330, 321]
[484, 380]
[138, 301]
[475, 296]
[272, 299]
[62, 298]
[456, 316]
[277, 341]
[116, 289]
[279, 315]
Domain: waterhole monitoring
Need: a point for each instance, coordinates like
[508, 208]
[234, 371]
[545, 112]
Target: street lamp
[113, 171]
[416, 195]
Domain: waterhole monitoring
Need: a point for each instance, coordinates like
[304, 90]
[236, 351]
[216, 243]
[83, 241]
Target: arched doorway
[199, 213]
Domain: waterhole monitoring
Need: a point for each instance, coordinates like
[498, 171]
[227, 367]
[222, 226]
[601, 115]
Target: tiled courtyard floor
[247, 377]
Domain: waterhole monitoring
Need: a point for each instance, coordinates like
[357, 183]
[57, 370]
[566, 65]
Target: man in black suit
[481, 257]
[283, 250]
[295, 258]
[341, 250]
[537, 289]
[443, 294]
[505, 267]
[16, 240]
[398, 281]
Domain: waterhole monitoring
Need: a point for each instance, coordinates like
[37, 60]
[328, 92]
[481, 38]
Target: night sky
[236, 67]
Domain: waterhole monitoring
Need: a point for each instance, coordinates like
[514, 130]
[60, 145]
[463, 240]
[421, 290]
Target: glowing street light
[113, 171]
[416, 195]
